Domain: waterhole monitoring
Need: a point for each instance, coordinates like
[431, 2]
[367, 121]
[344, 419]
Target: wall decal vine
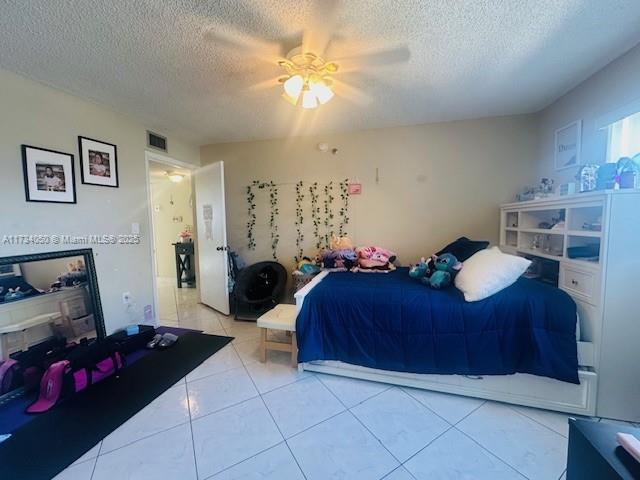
[323, 219]
[328, 213]
[273, 200]
[273, 214]
[344, 209]
[251, 210]
[299, 221]
[315, 213]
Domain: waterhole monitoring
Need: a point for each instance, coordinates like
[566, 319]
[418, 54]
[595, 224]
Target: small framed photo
[98, 162]
[568, 145]
[49, 176]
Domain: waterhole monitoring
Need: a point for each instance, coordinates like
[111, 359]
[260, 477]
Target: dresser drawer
[582, 283]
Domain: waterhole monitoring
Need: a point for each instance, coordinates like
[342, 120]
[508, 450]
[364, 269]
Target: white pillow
[489, 271]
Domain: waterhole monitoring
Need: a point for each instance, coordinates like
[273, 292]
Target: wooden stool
[281, 317]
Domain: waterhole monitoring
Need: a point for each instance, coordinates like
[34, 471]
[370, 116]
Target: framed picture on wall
[568, 143]
[49, 176]
[98, 162]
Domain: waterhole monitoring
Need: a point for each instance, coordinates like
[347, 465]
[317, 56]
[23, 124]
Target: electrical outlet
[126, 298]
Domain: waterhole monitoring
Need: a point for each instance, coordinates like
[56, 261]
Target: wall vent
[156, 141]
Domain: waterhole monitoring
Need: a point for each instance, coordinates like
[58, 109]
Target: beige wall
[43, 273]
[166, 230]
[607, 91]
[436, 182]
[37, 115]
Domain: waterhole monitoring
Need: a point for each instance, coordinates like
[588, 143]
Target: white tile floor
[235, 418]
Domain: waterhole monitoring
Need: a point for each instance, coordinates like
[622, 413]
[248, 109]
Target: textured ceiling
[205, 70]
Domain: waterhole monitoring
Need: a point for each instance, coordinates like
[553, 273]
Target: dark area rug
[49, 443]
[13, 415]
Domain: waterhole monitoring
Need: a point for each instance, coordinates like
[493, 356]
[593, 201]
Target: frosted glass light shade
[309, 99]
[293, 86]
[322, 92]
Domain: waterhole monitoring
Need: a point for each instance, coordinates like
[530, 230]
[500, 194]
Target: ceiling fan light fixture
[308, 79]
[293, 87]
[175, 177]
[322, 92]
[309, 99]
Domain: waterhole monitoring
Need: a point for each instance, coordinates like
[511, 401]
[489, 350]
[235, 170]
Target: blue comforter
[390, 322]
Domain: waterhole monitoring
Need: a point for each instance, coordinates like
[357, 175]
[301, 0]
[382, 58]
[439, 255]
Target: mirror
[44, 299]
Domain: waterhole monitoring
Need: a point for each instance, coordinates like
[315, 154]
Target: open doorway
[171, 200]
[189, 243]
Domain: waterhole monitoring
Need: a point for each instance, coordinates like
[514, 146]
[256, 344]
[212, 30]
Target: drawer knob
[574, 281]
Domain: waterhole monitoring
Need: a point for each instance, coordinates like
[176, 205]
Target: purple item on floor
[50, 388]
[62, 374]
[13, 413]
[7, 372]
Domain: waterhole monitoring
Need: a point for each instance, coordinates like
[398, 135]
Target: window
[624, 138]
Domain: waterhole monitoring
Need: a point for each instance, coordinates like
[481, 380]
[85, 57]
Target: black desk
[185, 263]
[594, 453]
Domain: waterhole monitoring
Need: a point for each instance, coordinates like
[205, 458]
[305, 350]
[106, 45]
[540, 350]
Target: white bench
[282, 317]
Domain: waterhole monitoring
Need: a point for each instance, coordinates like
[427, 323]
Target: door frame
[150, 156]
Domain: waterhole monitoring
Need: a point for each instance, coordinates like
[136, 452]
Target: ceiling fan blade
[350, 93]
[243, 43]
[376, 58]
[265, 84]
[321, 27]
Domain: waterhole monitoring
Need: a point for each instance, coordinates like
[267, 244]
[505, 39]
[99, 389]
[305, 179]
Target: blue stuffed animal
[446, 268]
[421, 270]
[437, 272]
[13, 295]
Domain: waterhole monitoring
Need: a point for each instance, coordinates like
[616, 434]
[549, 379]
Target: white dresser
[603, 229]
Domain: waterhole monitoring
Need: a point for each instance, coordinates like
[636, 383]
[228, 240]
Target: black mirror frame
[92, 278]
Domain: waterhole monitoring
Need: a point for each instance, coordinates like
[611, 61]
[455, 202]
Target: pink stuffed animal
[371, 257]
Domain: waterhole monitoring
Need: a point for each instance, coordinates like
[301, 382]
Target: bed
[16, 282]
[517, 346]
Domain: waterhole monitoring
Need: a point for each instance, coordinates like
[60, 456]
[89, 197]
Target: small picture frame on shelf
[568, 145]
[98, 162]
[49, 176]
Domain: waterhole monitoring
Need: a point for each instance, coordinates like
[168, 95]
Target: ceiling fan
[308, 79]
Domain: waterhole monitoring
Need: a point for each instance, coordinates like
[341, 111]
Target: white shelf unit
[606, 289]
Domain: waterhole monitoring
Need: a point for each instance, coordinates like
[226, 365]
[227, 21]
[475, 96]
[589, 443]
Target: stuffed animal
[76, 274]
[374, 257]
[446, 268]
[307, 267]
[422, 269]
[13, 295]
[341, 243]
[77, 266]
[345, 258]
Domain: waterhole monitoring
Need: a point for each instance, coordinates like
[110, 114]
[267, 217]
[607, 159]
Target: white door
[212, 237]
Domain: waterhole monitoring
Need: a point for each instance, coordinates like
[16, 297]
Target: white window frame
[611, 127]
